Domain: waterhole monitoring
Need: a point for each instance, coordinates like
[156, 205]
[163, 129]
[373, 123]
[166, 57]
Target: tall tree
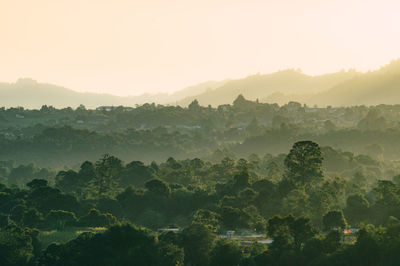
[304, 163]
[107, 171]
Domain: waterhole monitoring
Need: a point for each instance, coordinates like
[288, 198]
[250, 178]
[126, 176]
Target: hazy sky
[131, 47]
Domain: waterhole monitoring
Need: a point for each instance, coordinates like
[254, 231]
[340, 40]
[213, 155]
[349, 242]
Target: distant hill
[195, 90]
[263, 86]
[371, 88]
[337, 89]
[28, 93]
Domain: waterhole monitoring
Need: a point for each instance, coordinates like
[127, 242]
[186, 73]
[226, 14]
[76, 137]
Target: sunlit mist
[132, 47]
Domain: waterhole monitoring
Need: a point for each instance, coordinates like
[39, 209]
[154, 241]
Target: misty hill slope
[336, 89]
[175, 97]
[30, 94]
[372, 88]
[195, 90]
[262, 86]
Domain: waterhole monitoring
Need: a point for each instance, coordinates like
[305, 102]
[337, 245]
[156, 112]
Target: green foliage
[357, 208]
[241, 179]
[16, 246]
[207, 218]
[25, 173]
[136, 173]
[303, 163]
[233, 218]
[225, 253]
[197, 241]
[289, 232]
[170, 255]
[119, 245]
[332, 241]
[334, 220]
[208, 198]
[107, 170]
[158, 187]
[59, 219]
[96, 219]
[68, 181]
[151, 218]
[36, 183]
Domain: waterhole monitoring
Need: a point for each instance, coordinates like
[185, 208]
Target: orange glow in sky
[131, 47]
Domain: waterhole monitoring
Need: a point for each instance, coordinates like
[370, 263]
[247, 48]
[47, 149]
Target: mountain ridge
[342, 88]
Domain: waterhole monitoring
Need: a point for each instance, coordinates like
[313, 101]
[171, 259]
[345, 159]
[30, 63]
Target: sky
[130, 47]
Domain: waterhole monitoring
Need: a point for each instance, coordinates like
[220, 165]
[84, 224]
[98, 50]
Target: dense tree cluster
[56, 138]
[303, 176]
[290, 198]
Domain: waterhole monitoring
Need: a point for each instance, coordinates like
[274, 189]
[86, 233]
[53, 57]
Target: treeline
[291, 199]
[238, 114]
[379, 144]
[295, 242]
[60, 146]
[65, 137]
[57, 147]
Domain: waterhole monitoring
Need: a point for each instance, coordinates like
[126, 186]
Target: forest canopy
[243, 184]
